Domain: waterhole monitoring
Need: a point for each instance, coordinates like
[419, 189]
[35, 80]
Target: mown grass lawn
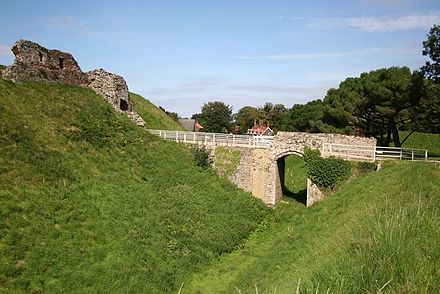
[426, 141]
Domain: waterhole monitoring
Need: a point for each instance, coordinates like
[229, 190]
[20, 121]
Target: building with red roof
[260, 129]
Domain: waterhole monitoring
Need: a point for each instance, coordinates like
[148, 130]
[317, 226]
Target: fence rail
[215, 138]
[350, 152]
[373, 153]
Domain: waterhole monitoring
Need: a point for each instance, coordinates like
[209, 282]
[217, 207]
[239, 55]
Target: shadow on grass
[299, 196]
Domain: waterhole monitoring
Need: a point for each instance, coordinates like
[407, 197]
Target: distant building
[260, 129]
[191, 125]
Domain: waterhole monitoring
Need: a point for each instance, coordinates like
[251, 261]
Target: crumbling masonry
[36, 63]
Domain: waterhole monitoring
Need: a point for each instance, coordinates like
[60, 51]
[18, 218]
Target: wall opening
[41, 56]
[293, 177]
[61, 61]
[123, 105]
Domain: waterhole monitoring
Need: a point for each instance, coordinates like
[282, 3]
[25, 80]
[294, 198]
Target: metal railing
[218, 139]
[373, 153]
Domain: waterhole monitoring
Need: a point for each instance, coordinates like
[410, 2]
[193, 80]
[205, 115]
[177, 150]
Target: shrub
[202, 157]
[365, 167]
[325, 172]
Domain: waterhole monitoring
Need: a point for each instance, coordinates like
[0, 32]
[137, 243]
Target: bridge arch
[280, 170]
[289, 152]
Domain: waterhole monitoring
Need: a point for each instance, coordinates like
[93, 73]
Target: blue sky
[181, 54]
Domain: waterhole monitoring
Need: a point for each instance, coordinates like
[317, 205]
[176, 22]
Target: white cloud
[315, 55]
[5, 50]
[273, 89]
[374, 24]
[65, 23]
[197, 86]
[378, 24]
[305, 55]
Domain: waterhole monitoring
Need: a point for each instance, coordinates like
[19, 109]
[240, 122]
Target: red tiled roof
[198, 126]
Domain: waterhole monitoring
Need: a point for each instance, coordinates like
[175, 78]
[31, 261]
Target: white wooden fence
[215, 138]
[350, 152]
[373, 153]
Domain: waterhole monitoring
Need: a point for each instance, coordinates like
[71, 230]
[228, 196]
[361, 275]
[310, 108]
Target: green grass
[153, 116]
[430, 142]
[378, 232]
[91, 203]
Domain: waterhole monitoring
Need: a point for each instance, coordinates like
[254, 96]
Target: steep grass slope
[90, 203]
[416, 140]
[377, 234]
[153, 116]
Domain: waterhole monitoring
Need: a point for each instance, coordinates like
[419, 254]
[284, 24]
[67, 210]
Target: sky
[182, 54]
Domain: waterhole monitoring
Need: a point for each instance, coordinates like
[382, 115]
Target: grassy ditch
[378, 232]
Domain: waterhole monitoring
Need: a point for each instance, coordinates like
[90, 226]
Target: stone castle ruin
[36, 63]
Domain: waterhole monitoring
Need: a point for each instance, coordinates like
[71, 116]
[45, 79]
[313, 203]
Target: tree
[427, 113]
[246, 116]
[215, 117]
[273, 114]
[375, 104]
[305, 118]
[431, 48]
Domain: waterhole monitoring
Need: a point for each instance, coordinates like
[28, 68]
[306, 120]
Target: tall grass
[378, 233]
[90, 203]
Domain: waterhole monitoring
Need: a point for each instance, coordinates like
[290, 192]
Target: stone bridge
[257, 164]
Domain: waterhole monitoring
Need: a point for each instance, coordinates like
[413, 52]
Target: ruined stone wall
[36, 63]
[111, 86]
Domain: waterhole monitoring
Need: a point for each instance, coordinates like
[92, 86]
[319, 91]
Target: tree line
[378, 103]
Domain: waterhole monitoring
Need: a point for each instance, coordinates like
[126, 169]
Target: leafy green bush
[202, 157]
[365, 167]
[325, 172]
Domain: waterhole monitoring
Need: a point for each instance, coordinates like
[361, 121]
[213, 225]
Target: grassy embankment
[416, 140]
[153, 116]
[90, 203]
[377, 234]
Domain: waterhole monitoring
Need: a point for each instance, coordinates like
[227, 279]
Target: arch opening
[123, 105]
[292, 177]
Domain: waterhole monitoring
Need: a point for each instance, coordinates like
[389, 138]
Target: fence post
[401, 153]
[249, 141]
[426, 155]
[160, 133]
[213, 138]
[233, 140]
[194, 137]
[206, 139]
[374, 154]
[412, 155]
[165, 135]
[177, 136]
[184, 137]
